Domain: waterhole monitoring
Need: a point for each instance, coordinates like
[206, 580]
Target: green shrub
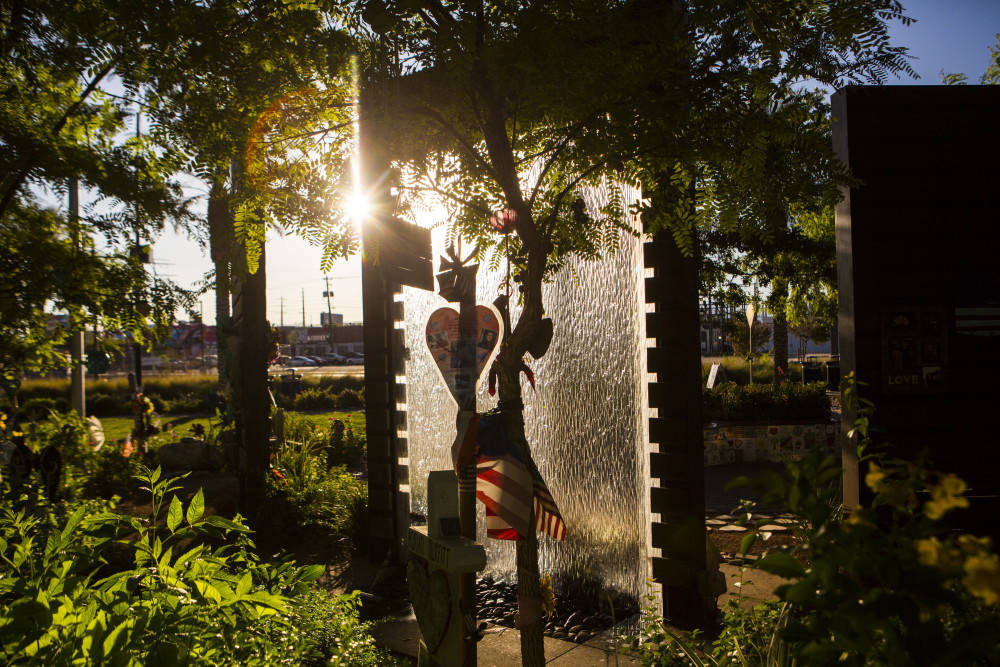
[338, 383]
[106, 405]
[185, 405]
[344, 446]
[35, 409]
[315, 399]
[738, 370]
[70, 593]
[307, 492]
[350, 399]
[788, 401]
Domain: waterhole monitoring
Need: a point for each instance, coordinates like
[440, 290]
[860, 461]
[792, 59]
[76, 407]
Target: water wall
[586, 420]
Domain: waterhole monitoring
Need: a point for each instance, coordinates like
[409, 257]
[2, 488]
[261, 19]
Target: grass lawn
[116, 428]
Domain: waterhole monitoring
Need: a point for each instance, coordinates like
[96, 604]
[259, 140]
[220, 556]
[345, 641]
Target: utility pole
[303, 307]
[135, 378]
[329, 312]
[78, 397]
[201, 322]
[282, 316]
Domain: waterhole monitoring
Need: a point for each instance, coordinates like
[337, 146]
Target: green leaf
[196, 508]
[112, 641]
[175, 514]
[311, 572]
[747, 542]
[73, 521]
[243, 587]
[781, 563]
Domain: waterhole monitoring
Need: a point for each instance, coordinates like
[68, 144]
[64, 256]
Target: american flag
[509, 491]
[978, 320]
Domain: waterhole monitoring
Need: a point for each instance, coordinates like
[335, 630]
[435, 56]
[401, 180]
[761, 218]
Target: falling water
[586, 421]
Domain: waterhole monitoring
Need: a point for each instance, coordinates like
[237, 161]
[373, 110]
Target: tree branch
[22, 174]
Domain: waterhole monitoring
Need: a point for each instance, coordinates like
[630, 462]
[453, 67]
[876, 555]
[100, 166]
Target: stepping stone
[774, 528]
[714, 522]
[725, 517]
[785, 520]
[732, 528]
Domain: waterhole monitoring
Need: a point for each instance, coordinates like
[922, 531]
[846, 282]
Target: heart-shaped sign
[461, 360]
[431, 599]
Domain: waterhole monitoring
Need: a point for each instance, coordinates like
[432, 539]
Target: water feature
[586, 420]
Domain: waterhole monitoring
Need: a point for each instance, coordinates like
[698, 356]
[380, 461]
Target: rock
[572, 618]
[774, 528]
[582, 636]
[189, 454]
[575, 629]
[733, 528]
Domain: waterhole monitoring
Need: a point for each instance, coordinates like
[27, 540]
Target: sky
[953, 36]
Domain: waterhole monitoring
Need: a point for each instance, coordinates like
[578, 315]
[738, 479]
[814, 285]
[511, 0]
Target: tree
[257, 114]
[57, 126]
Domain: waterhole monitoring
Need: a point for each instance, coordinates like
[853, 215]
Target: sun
[358, 208]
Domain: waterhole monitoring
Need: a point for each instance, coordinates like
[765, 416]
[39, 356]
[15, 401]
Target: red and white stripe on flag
[981, 320]
[505, 487]
[547, 518]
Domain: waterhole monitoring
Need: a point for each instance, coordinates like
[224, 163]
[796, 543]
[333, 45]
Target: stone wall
[744, 443]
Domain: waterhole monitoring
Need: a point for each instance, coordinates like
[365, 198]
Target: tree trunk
[250, 386]
[249, 369]
[779, 304]
[220, 243]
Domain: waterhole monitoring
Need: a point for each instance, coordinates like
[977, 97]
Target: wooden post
[677, 431]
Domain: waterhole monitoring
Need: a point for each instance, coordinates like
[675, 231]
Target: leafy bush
[766, 402]
[344, 446]
[307, 492]
[737, 370]
[351, 398]
[71, 593]
[104, 405]
[35, 409]
[315, 399]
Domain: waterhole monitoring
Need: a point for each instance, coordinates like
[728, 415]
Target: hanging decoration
[452, 354]
[508, 489]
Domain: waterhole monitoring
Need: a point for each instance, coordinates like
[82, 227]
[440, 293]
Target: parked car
[319, 360]
[333, 358]
[300, 361]
[354, 359]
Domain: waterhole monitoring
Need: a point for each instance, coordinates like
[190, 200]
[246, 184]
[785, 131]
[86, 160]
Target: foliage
[306, 494]
[886, 583]
[309, 485]
[735, 369]
[991, 77]
[95, 586]
[775, 403]
[737, 333]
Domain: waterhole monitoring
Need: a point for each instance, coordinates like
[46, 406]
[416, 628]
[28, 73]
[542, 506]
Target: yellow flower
[972, 545]
[857, 518]
[934, 553]
[929, 551]
[548, 595]
[945, 496]
[874, 476]
[982, 577]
